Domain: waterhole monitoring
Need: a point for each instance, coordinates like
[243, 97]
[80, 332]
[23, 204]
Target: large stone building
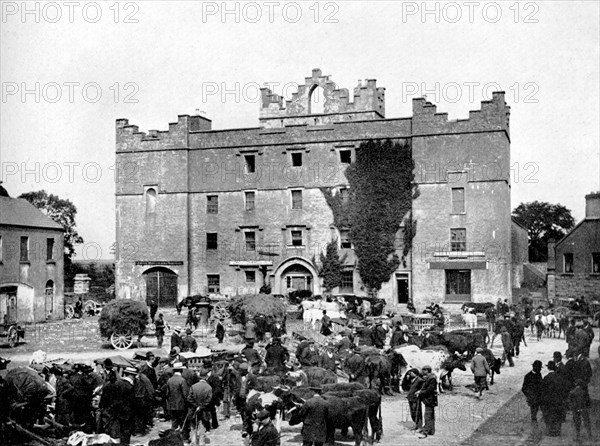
[31, 263]
[574, 261]
[201, 210]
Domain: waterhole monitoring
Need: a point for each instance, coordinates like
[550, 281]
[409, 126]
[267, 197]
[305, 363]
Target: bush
[123, 316]
[253, 304]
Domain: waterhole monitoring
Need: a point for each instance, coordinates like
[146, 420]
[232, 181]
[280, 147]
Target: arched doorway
[49, 296]
[161, 285]
[296, 274]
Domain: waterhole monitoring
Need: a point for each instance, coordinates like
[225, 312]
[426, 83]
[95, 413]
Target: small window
[250, 276]
[347, 284]
[151, 201]
[458, 282]
[458, 200]
[345, 239]
[595, 262]
[250, 163]
[568, 257]
[346, 156]
[214, 283]
[24, 249]
[212, 241]
[296, 238]
[296, 199]
[212, 204]
[250, 239]
[458, 240]
[345, 195]
[249, 201]
[49, 248]
[297, 159]
[0, 248]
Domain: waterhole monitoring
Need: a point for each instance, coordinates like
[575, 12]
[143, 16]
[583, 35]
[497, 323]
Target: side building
[226, 211]
[31, 264]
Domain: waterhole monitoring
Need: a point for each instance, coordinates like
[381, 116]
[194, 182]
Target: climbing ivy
[331, 267]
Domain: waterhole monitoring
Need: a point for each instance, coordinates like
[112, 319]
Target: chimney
[592, 205]
[551, 255]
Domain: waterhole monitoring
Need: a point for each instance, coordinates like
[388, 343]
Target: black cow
[267, 383]
[373, 401]
[342, 387]
[262, 400]
[478, 307]
[379, 369]
[471, 331]
[318, 376]
[493, 362]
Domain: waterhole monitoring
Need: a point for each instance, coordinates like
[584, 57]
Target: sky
[68, 70]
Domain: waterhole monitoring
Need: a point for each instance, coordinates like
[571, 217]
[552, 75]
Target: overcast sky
[68, 71]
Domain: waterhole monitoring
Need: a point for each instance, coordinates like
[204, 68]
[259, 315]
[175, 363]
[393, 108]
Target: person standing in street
[325, 324]
[532, 388]
[428, 396]
[480, 369]
[176, 338]
[313, 414]
[189, 343]
[552, 402]
[507, 346]
[267, 434]
[416, 382]
[220, 331]
[160, 324]
[153, 304]
[276, 356]
[579, 402]
[176, 391]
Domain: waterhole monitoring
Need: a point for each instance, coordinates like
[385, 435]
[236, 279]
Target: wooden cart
[9, 327]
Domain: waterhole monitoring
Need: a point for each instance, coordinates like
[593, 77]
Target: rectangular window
[24, 249]
[49, 248]
[458, 200]
[296, 238]
[346, 156]
[568, 267]
[458, 282]
[347, 285]
[458, 240]
[296, 199]
[0, 248]
[345, 239]
[250, 239]
[250, 276]
[249, 201]
[297, 159]
[250, 166]
[212, 204]
[212, 241]
[595, 261]
[214, 283]
[344, 195]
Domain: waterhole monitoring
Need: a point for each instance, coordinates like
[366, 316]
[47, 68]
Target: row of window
[296, 159]
[24, 249]
[212, 239]
[568, 263]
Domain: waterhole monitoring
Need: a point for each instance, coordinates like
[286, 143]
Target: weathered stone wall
[577, 285]
[581, 242]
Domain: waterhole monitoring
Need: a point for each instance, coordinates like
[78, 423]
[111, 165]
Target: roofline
[517, 223]
[574, 229]
[9, 225]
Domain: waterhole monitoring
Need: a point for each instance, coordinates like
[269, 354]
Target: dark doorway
[161, 284]
[403, 288]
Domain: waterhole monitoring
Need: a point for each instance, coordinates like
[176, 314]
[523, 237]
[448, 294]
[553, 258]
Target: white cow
[313, 311]
[442, 363]
[470, 319]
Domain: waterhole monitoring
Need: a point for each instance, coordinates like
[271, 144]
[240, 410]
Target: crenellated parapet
[367, 102]
[129, 138]
[493, 115]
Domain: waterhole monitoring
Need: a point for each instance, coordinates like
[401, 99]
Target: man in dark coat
[397, 335]
[143, 392]
[189, 343]
[552, 402]
[325, 324]
[310, 355]
[64, 390]
[379, 334]
[327, 359]
[413, 400]
[117, 404]
[220, 331]
[587, 327]
[251, 355]
[579, 401]
[244, 382]
[216, 384]
[314, 413]
[267, 434]
[176, 392]
[176, 338]
[532, 388]
[518, 334]
[147, 368]
[277, 355]
[355, 368]
[81, 397]
[428, 396]
[153, 304]
[508, 347]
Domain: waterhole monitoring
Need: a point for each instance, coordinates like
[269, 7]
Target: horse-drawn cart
[9, 327]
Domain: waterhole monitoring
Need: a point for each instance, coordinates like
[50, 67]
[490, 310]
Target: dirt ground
[500, 417]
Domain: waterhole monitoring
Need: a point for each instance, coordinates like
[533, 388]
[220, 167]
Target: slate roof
[19, 212]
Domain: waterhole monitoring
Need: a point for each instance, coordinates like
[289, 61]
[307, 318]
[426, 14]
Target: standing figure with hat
[587, 327]
[160, 325]
[153, 304]
[310, 355]
[143, 392]
[552, 401]
[81, 397]
[415, 382]
[508, 347]
[379, 335]
[325, 324]
[277, 355]
[176, 338]
[313, 414]
[267, 434]
[147, 368]
[116, 407]
[532, 388]
[480, 369]
[327, 359]
[579, 402]
[251, 355]
[220, 331]
[189, 343]
[198, 400]
[175, 392]
[244, 382]
[428, 396]
[250, 328]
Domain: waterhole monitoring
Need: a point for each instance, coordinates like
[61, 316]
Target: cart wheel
[221, 310]
[69, 312]
[89, 308]
[12, 337]
[121, 341]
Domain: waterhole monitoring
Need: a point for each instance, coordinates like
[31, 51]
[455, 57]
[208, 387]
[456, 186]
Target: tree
[381, 192]
[331, 267]
[62, 212]
[544, 221]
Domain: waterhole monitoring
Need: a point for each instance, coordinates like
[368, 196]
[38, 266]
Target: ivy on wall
[331, 267]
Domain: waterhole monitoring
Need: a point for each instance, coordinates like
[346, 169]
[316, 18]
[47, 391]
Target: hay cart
[124, 341]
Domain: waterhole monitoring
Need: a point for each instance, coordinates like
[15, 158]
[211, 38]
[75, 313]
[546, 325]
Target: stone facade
[202, 204]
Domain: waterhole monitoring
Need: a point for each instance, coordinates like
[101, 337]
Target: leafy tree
[331, 267]
[62, 212]
[381, 192]
[544, 221]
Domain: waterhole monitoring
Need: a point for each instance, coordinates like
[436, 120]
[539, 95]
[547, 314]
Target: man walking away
[508, 347]
[481, 369]
[176, 392]
[552, 401]
[313, 414]
[532, 388]
[579, 401]
[428, 396]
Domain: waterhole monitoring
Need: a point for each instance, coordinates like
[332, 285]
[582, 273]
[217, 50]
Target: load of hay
[250, 305]
[123, 316]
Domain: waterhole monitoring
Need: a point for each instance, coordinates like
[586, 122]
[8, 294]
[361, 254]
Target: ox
[493, 362]
[257, 401]
[441, 362]
[470, 319]
[478, 307]
[312, 311]
[310, 376]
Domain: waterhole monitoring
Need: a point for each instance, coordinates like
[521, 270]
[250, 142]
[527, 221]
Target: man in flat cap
[199, 399]
[244, 382]
[189, 343]
[480, 369]
[267, 434]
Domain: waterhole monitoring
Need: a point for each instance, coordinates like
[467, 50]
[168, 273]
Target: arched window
[150, 201]
[316, 101]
